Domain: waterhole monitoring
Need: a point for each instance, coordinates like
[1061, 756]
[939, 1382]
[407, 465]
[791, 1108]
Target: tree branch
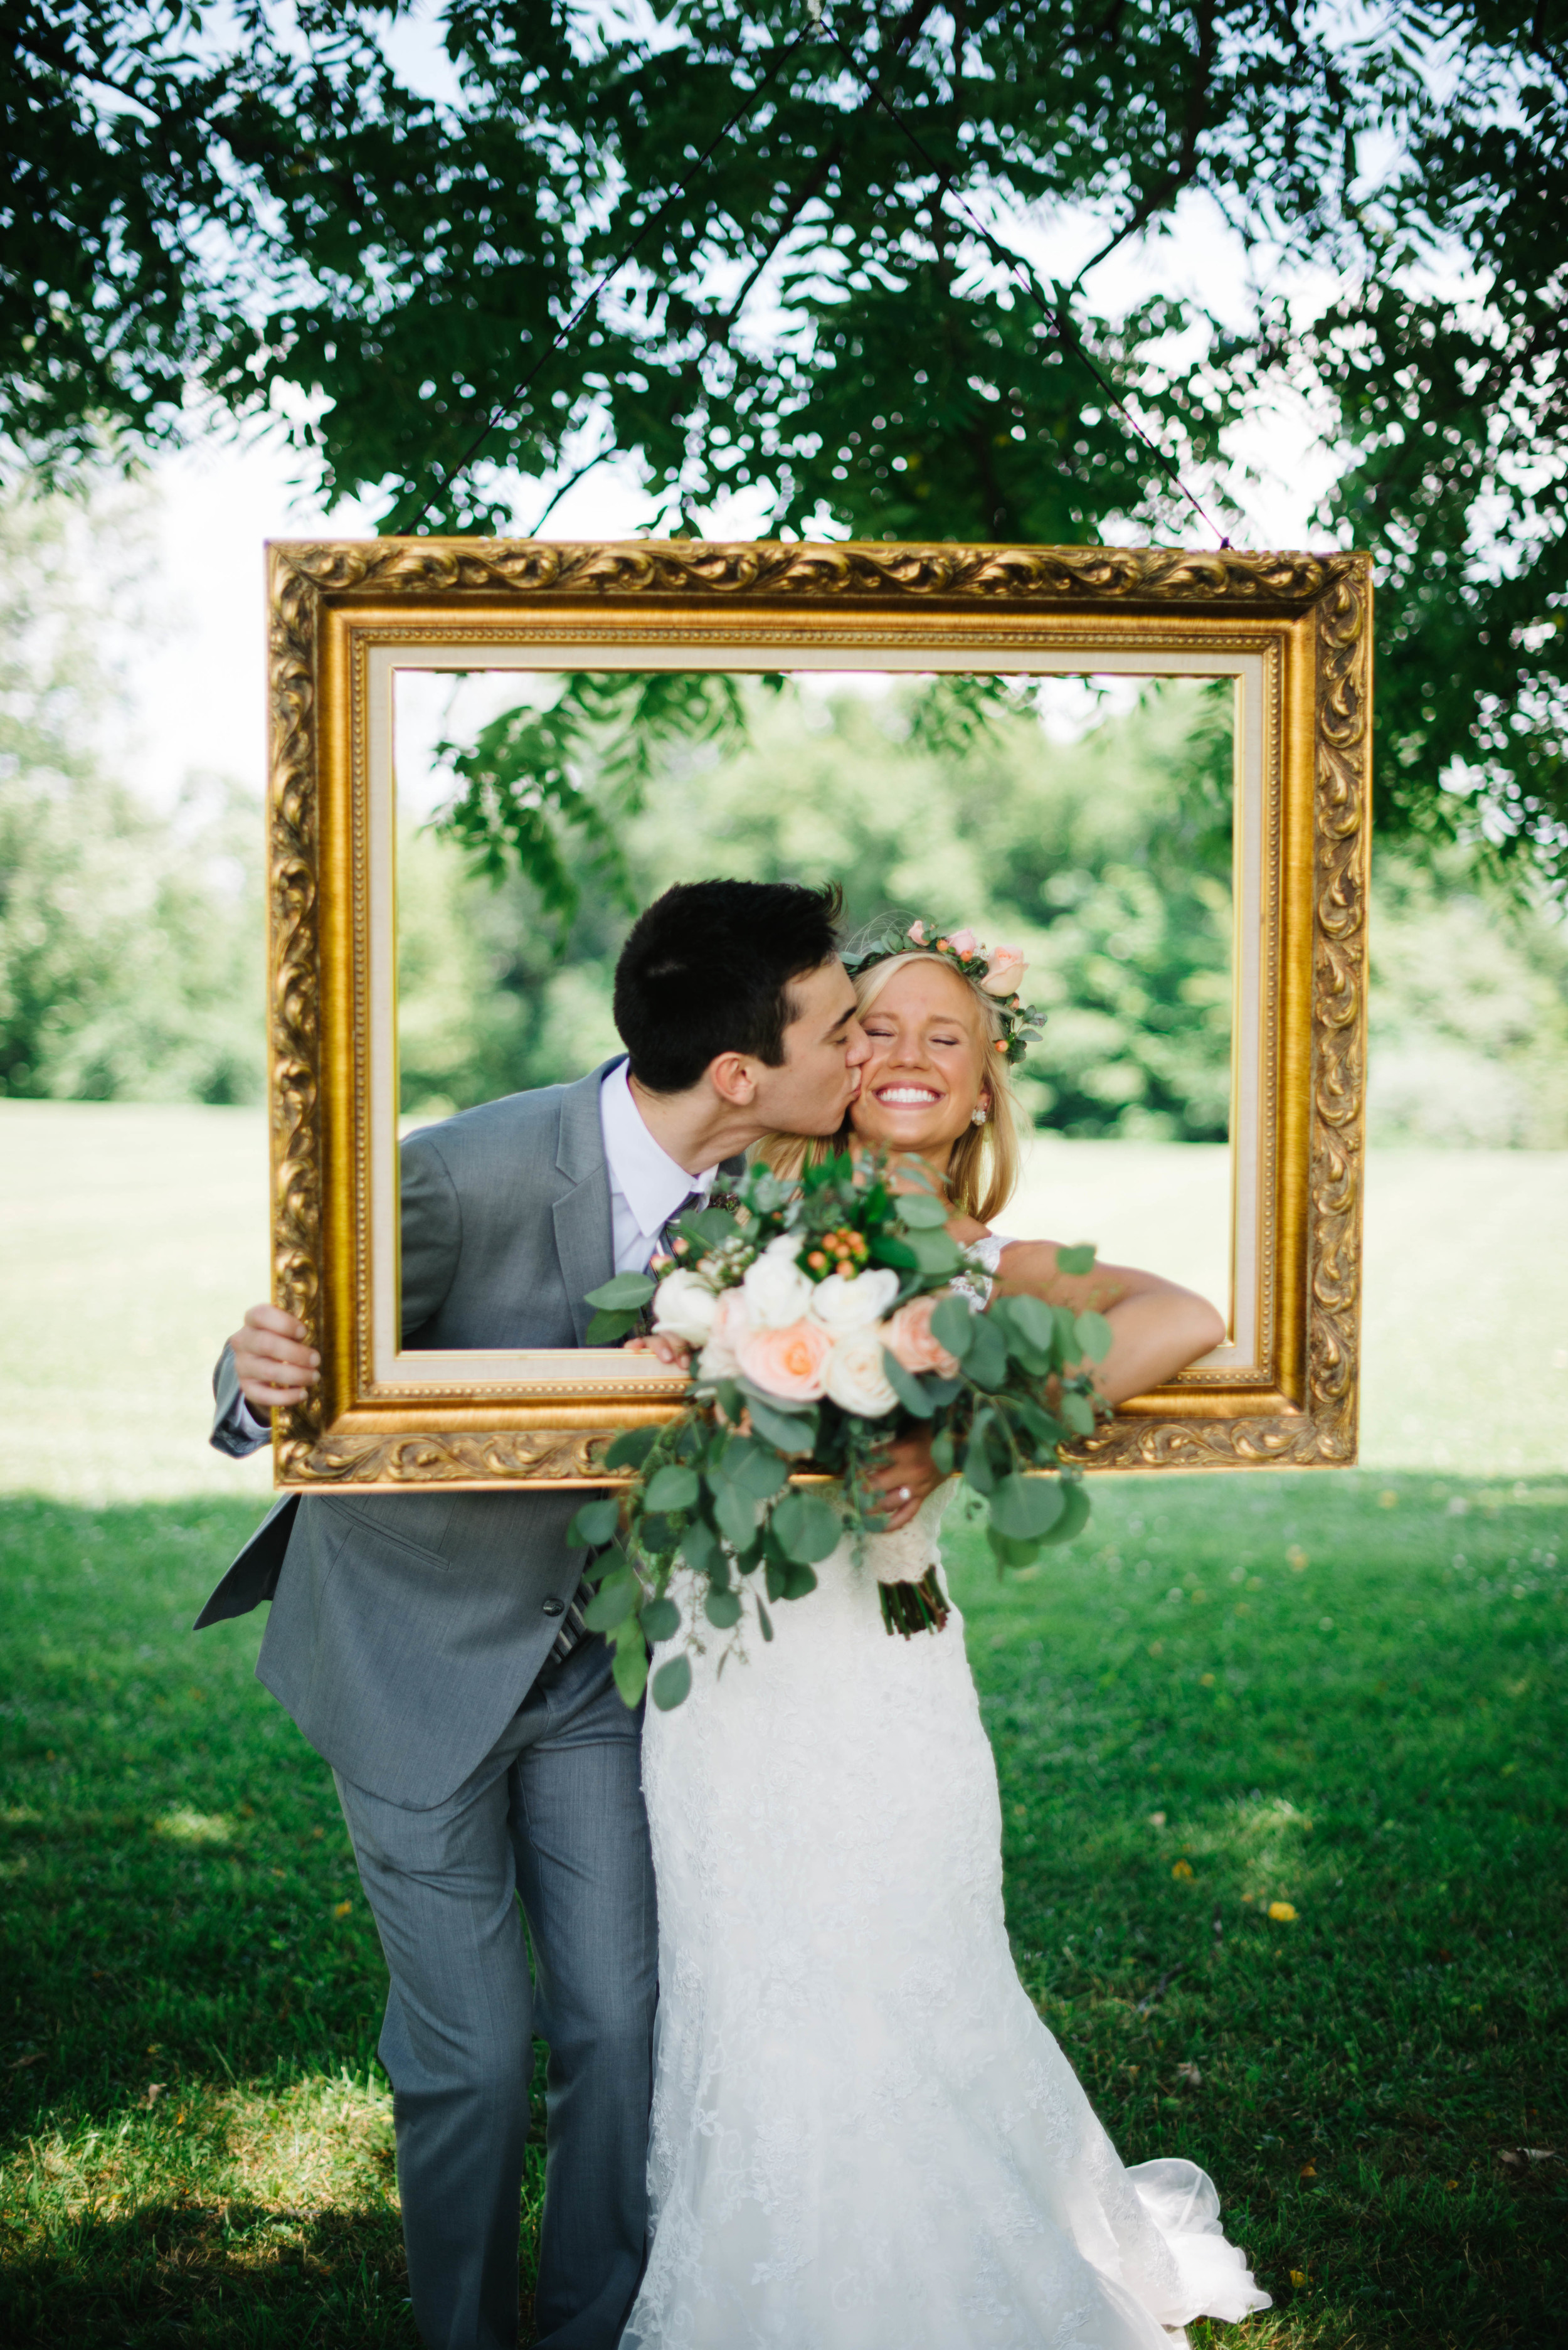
[1185, 164]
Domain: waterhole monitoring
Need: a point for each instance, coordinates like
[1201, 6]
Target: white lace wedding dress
[863, 2136]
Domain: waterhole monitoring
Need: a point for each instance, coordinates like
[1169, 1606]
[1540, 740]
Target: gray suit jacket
[406, 1629]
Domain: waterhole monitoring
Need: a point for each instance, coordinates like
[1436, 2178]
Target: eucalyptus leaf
[1033, 1321]
[977, 1466]
[886, 1248]
[700, 1548]
[1078, 1259]
[953, 1326]
[723, 1609]
[660, 1620]
[737, 1515]
[1023, 1508]
[936, 1252]
[671, 1683]
[805, 1527]
[628, 1669]
[623, 1293]
[798, 1580]
[632, 1447]
[755, 1468]
[595, 1523]
[766, 1620]
[790, 1432]
[776, 1575]
[1008, 1553]
[1079, 1414]
[909, 1391]
[1093, 1335]
[671, 1488]
[986, 1362]
[921, 1212]
[615, 1599]
[1075, 1515]
[944, 1458]
[608, 1329]
[712, 1227]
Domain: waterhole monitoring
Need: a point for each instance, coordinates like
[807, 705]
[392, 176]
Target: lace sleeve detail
[985, 1255]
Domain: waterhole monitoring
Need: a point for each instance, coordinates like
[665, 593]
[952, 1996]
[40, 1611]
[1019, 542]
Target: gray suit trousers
[553, 1816]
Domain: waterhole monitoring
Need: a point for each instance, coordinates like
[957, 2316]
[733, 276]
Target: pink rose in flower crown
[918, 932]
[791, 1362]
[963, 942]
[909, 1339]
[1003, 971]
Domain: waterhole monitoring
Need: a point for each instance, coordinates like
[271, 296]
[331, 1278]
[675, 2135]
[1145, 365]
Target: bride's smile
[925, 1080]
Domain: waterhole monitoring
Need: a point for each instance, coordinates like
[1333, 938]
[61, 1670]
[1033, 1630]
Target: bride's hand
[673, 1351]
[904, 1477]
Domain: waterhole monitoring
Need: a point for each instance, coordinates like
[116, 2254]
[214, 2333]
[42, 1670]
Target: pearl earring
[977, 1115]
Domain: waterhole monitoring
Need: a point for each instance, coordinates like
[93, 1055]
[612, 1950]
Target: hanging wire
[509, 406]
[1055, 313]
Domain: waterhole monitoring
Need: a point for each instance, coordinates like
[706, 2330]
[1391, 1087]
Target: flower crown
[995, 970]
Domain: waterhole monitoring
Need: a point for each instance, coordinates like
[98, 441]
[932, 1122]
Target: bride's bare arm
[1157, 1327]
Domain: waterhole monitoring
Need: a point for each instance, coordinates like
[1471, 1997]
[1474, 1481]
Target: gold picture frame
[1292, 629]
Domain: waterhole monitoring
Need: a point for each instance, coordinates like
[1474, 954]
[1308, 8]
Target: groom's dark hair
[707, 970]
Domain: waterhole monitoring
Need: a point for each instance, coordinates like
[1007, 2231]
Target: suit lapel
[582, 1214]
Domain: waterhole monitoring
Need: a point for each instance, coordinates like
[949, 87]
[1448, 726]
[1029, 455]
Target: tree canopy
[289, 205]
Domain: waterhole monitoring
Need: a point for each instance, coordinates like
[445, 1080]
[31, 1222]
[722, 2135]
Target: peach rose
[918, 932]
[790, 1363]
[963, 942]
[1003, 971]
[909, 1340]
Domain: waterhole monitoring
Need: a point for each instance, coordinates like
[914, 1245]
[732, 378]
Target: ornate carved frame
[1309, 615]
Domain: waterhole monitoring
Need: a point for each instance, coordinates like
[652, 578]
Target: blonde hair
[983, 1170]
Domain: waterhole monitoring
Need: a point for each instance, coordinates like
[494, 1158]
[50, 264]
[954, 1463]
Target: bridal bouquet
[824, 1320]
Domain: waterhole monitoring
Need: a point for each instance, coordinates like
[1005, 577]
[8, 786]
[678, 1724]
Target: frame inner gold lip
[1308, 615]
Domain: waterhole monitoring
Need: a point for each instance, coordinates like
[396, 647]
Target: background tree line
[380, 228]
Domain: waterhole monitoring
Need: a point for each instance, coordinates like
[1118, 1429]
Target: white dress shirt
[645, 1187]
[646, 1184]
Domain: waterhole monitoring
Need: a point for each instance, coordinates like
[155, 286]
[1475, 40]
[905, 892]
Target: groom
[430, 1646]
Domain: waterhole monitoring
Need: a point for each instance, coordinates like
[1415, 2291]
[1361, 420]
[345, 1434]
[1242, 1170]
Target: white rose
[684, 1307]
[776, 1291]
[855, 1378]
[718, 1359]
[786, 1244]
[842, 1306]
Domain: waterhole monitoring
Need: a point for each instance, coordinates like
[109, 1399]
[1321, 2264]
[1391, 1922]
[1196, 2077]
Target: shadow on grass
[1282, 1786]
[228, 2273]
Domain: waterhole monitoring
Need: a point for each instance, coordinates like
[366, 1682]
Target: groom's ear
[733, 1079]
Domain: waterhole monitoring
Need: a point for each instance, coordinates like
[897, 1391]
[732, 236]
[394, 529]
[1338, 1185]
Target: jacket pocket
[417, 1522]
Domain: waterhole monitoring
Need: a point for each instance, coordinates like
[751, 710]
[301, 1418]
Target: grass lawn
[1340, 1694]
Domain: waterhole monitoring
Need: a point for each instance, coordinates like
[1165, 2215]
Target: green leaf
[607, 1329]
[595, 1523]
[908, 1389]
[941, 1392]
[671, 1488]
[1045, 1432]
[766, 1620]
[1094, 1336]
[1033, 1319]
[1075, 1515]
[921, 1212]
[700, 1548]
[628, 1669]
[755, 1469]
[936, 1252]
[798, 1580]
[712, 1227]
[806, 1527]
[1079, 1414]
[953, 1326]
[793, 1434]
[660, 1620]
[727, 1396]
[737, 1514]
[1023, 1508]
[615, 1599]
[623, 1293]
[776, 1575]
[944, 1459]
[672, 1682]
[1077, 1259]
[977, 1466]
[722, 1608]
[1008, 1553]
[885, 1248]
[632, 1447]
[986, 1362]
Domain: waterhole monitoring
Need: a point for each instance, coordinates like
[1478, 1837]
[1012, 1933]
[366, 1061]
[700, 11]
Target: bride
[863, 2137]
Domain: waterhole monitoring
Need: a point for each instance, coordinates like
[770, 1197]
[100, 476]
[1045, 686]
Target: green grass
[1349, 1707]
